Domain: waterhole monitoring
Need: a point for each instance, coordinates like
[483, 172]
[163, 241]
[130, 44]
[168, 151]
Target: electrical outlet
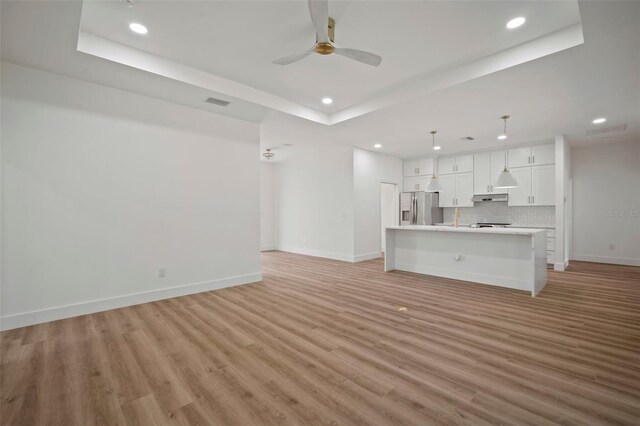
[162, 272]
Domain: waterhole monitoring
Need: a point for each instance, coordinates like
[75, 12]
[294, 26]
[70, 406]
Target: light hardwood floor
[324, 342]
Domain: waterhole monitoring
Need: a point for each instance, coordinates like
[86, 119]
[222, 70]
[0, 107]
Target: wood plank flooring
[324, 342]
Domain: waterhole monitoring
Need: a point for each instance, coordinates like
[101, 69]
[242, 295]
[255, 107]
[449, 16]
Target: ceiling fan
[325, 29]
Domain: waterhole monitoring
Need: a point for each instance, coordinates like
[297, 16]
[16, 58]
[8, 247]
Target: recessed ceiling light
[502, 137]
[437, 147]
[327, 101]
[599, 120]
[138, 28]
[516, 22]
[377, 145]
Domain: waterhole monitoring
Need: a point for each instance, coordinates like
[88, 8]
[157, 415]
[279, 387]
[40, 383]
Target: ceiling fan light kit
[325, 33]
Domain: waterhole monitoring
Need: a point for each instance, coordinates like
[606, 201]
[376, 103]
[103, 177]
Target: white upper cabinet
[446, 165]
[521, 196]
[464, 163]
[425, 166]
[543, 187]
[447, 195]
[410, 168]
[487, 166]
[543, 154]
[520, 157]
[410, 184]
[536, 186]
[482, 173]
[497, 166]
[457, 164]
[420, 167]
[532, 156]
[464, 189]
[456, 190]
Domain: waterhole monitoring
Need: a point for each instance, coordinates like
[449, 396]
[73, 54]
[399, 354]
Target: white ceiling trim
[543, 46]
[116, 52]
[552, 43]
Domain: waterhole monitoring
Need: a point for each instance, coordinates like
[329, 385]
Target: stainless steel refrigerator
[419, 208]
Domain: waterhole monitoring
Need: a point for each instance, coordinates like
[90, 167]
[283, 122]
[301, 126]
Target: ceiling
[238, 40]
[458, 83]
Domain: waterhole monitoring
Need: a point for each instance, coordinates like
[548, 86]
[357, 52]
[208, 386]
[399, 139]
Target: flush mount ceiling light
[268, 155]
[599, 120]
[516, 22]
[327, 101]
[505, 179]
[433, 185]
[377, 145]
[138, 28]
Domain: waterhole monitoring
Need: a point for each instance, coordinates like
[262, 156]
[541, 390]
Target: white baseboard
[67, 311]
[607, 259]
[367, 256]
[317, 253]
[268, 248]
[560, 266]
[472, 277]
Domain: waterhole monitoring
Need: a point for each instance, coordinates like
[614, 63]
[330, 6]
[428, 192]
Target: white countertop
[441, 228]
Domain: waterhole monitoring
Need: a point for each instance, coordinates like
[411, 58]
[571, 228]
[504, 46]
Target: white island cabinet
[506, 257]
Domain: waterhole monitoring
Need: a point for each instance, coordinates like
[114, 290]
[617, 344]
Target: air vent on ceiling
[605, 130]
[216, 101]
[468, 138]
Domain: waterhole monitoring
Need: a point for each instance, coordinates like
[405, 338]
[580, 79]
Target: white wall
[268, 222]
[369, 170]
[606, 203]
[563, 202]
[315, 201]
[102, 187]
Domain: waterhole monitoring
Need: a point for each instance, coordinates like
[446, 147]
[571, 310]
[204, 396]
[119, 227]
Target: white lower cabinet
[536, 186]
[456, 190]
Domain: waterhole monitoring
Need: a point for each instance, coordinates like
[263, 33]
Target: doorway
[388, 209]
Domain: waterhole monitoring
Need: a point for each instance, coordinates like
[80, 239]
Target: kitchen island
[506, 257]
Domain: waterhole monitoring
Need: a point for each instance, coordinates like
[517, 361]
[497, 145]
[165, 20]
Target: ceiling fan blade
[319, 11]
[359, 55]
[292, 58]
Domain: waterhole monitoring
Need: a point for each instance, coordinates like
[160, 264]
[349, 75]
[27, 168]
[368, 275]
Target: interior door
[521, 196]
[543, 186]
[447, 190]
[464, 189]
[482, 173]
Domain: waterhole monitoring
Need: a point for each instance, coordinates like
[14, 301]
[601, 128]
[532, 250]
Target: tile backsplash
[495, 211]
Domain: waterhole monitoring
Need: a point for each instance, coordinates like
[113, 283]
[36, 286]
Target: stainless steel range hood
[490, 197]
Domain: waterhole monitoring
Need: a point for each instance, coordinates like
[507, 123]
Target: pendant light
[505, 179]
[434, 184]
[268, 155]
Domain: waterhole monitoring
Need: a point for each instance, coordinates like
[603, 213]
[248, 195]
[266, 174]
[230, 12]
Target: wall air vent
[468, 138]
[216, 101]
[606, 130]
